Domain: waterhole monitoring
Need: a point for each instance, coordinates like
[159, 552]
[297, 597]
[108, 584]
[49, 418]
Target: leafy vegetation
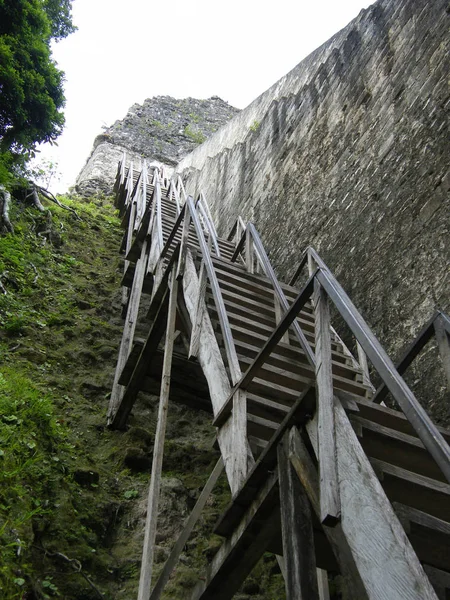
[72, 506]
[32, 97]
[195, 135]
[58, 275]
[255, 125]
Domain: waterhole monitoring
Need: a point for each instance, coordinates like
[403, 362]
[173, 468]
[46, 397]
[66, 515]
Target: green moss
[64, 488]
[194, 134]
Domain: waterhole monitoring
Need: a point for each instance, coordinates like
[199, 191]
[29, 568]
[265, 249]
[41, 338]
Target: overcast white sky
[126, 51]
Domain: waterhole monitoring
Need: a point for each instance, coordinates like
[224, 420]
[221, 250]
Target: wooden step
[259, 313]
[243, 291]
[395, 447]
[391, 418]
[257, 284]
[292, 363]
[240, 270]
[411, 489]
[257, 334]
[303, 376]
[429, 536]
[261, 428]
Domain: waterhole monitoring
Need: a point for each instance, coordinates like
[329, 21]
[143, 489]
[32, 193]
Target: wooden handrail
[270, 274]
[189, 212]
[233, 362]
[158, 213]
[416, 415]
[202, 207]
[289, 316]
[427, 332]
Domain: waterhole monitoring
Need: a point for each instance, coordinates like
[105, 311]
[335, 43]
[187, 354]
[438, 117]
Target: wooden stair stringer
[210, 359]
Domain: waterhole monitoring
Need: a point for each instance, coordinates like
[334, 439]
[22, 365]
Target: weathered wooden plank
[415, 413]
[187, 530]
[128, 332]
[362, 359]
[184, 242]
[307, 473]
[322, 584]
[158, 451]
[242, 455]
[441, 326]
[242, 550]
[297, 533]
[415, 490]
[211, 361]
[429, 536]
[249, 256]
[195, 334]
[329, 486]
[398, 448]
[385, 559]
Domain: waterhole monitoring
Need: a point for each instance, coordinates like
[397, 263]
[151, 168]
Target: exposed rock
[86, 477]
[137, 460]
[139, 434]
[162, 130]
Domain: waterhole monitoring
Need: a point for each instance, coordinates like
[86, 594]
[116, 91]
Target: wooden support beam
[118, 418]
[158, 451]
[242, 457]
[362, 359]
[184, 242]
[128, 242]
[441, 328]
[329, 481]
[200, 306]
[128, 332]
[322, 584]
[278, 319]
[307, 473]
[241, 551]
[384, 557]
[184, 536]
[211, 361]
[249, 256]
[297, 532]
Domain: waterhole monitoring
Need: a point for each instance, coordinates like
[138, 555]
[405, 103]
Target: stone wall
[348, 153]
[162, 129]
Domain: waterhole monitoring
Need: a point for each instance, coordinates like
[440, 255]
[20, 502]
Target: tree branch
[75, 563]
[5, 200]
[49, 196]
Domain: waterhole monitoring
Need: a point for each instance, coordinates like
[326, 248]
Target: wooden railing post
[297, 531]
[330, 508]
[189, 526]
[278, 318]
[441, 325]
[198, 318]
[158, 450]
[362, 359]
[128, 329]
[249, 256]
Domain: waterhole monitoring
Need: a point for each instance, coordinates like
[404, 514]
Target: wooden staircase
[320, 474]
